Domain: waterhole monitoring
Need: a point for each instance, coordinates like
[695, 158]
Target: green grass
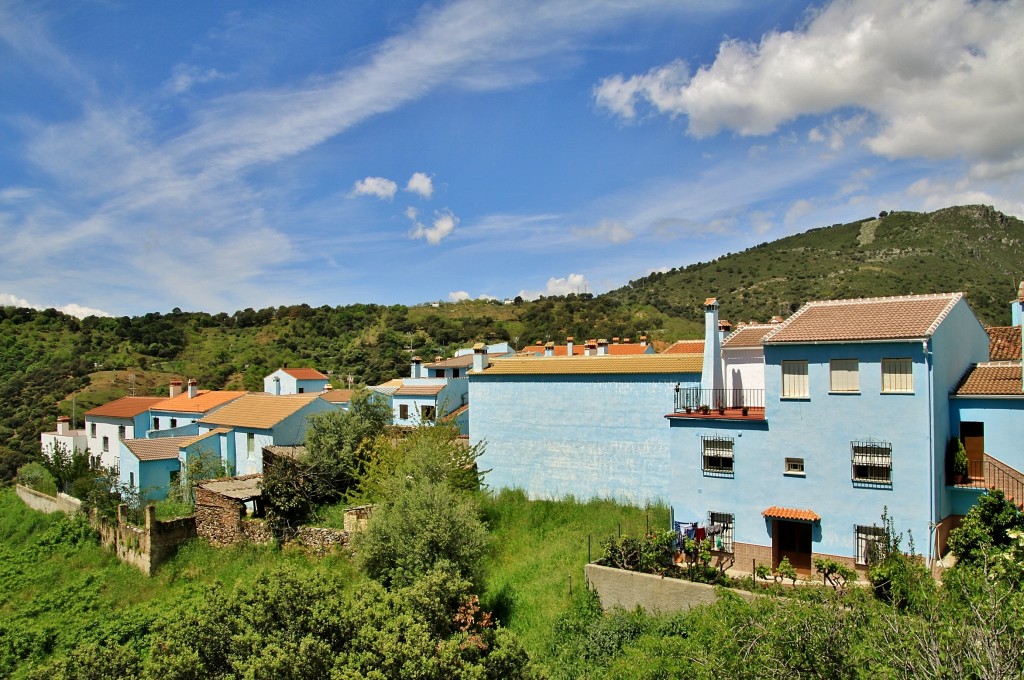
[539, 547]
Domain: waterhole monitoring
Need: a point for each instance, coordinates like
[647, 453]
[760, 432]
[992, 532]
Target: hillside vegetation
[53, 364]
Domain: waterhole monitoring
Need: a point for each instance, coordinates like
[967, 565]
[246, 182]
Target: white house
[124, 418]
[295, 381]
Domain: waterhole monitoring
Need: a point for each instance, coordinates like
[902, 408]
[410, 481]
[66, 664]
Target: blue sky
[221, 155]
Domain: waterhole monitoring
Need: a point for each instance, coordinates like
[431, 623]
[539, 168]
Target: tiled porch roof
[994, 378]
[796, 514]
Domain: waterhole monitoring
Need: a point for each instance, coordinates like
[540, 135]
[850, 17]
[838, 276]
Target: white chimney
[711, 374]
[417, 368]
[602, 347]
[549, 349]
[175, 388]
[193, 388]
[63, 425]
[643, 341]
[568, 346]
[277, 385]
[479, 357]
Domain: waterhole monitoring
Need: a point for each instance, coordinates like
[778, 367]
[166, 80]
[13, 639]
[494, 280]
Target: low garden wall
[145, 547]
[42, 502]
[653, 593]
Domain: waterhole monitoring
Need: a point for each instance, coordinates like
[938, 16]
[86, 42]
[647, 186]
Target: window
[716, 453]
[897, 375]
[302, 390]
[250, 445]
[872, 462]
[131, 479]
[794, 379]
[844, 376]
[868, 539]
[120, 431]
[156, 423]
[426, 413]
[106, 443]
[795, 466]
[174, 423]
[92, 430]
[720, 530]
[403, 411]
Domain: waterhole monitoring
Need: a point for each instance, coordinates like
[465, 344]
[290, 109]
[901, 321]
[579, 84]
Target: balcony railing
[991, 473]
[727, 401]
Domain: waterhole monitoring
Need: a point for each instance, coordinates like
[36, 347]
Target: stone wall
[321, 541]
[356, 518]
[144, 547]
[42, 502]
[653, 593]
[256, 531]
[218, 518]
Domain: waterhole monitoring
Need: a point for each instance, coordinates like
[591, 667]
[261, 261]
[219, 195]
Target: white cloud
[459, 296]
[443, 225]
[80, 311]
[381, 187]
[940, 78]
[574, 283]
[184, 77]
[607, 230]
[420, 183]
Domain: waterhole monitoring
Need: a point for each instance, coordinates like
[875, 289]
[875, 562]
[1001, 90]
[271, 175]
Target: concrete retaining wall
[41, 502]
[654, 594]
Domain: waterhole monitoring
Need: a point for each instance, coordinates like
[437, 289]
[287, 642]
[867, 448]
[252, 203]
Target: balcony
[728, 404]
[991, 473]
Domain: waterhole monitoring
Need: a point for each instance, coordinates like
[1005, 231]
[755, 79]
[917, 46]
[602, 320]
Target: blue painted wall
[585, 436]
[1004, 425]
[821, 428]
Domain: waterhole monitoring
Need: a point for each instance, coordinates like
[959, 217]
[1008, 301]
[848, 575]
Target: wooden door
[792, 540]
[972, 434]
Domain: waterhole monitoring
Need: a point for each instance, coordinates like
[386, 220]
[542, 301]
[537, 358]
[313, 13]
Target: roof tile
[125, 407]
[1003, 343]
[747, 336]
[994, 378]
[204, 401]
[798, 514]
[639, 364]
[259, 411]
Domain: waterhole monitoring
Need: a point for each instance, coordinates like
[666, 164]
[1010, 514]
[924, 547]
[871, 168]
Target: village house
[151, 466]
[64, 437]
[106, 425]
[179, 414]
[285, 381]
[855, 422]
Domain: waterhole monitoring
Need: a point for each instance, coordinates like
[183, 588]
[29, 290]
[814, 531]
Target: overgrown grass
[539, 548]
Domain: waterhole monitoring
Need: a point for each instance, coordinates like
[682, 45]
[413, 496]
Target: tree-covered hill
[974, 249]
[46, 357]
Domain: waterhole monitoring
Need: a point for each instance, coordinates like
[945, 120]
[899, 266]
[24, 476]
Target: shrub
[35, 476]
[985, 528]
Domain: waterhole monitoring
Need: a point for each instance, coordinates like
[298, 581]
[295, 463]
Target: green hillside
[973, 249]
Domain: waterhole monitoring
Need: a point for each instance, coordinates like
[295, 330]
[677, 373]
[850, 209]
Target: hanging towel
[701, 533]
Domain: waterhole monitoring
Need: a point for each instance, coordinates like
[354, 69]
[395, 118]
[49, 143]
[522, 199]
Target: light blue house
[583, 426]
[295, 381]
[257, 420]
[179, 415]
[855, 419]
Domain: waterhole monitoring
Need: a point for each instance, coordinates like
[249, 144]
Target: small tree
[419, 526]
[65, 466]
[987, 526]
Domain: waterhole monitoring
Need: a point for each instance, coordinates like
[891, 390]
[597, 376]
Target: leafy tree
[338, 442]
[421, 525]
[986, 528]
[66, 466]
[899, 578]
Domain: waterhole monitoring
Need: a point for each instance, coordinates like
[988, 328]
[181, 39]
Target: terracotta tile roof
[163, 448]
[1003, 343]
[338, 396]
[201, 403]
[643, 363]
[995, 378]
[686, 347]
[465, 361]
[578, 349]
[800, 515]
[259, 411]
[888, 318]
[747, 336]
[305, 373]
[125, 407]
[455, 414]
[390, 387]
[418, 390]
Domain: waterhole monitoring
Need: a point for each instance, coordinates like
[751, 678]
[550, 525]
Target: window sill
[843, 392]
[805, 398]
[895, 392]
[794, 474]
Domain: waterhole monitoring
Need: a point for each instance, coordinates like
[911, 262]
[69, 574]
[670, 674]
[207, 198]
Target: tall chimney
[417, 368]
[193, 388]
[63, 425]
[175, 388]
[711, 374]
[602, 347]
[479, 357]
[568, 346]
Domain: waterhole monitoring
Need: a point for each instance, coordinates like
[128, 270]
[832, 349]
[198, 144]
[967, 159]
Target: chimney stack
[568, 346]
[175, 388]
[417, 368]
[479, 357]
[602, 347]
[711, 374]
[193, 388]
[549, 349]
[63, 425]
[643, 341]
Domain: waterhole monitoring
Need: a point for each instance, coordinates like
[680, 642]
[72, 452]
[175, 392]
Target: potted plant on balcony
[721, 408]
[705, 409]
[956, 456]
[745, 410]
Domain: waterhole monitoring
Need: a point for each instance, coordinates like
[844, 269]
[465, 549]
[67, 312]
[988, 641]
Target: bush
[986, 528]
[35, 476]
[419, 526]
